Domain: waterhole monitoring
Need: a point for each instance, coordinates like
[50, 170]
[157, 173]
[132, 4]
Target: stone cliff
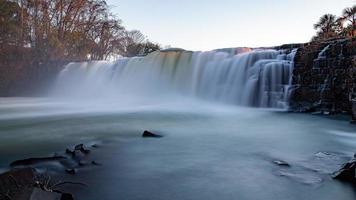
[324, 77]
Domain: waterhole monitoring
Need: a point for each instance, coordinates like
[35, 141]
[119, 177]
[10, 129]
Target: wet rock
[67, 196]
[34, 161]
[281, 163]
[17, 181]
[324, 77]
[325, 162]
[347, 172]
[96, 163]
[95, 146]
[353, 121]
[71, 171]
[70, 152]
[147, 134]
[22, 184]
[81, 148]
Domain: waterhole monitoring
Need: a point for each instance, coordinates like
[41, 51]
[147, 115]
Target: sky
[213, 24]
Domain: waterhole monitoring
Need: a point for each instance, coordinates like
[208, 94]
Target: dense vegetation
[68, 29]
[330, 26]
[38, 37]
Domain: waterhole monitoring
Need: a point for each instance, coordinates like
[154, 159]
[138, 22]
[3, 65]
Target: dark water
[208, 152]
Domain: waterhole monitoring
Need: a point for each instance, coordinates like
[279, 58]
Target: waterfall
[257, 78]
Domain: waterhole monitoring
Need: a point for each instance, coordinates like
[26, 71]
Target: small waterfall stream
[256, 78]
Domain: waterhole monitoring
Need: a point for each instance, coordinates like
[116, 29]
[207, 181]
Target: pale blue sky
[211, 24]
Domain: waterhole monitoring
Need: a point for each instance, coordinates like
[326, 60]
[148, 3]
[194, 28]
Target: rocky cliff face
[324, 77]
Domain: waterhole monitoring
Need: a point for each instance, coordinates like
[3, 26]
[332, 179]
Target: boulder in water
[34, 161]
[347, 172]
[81, 148]
[96, 163]
[71, 171]
[281, 163]
[147, 134]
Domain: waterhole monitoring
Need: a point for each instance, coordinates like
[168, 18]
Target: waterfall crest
[257, 78]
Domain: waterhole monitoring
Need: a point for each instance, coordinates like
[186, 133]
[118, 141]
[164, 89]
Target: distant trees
[135, 44]
[330, 26]
[67, 29]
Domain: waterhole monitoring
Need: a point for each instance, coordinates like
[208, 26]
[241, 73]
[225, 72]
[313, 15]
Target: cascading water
[258, 78]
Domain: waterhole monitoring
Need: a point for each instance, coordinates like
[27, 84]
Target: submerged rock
[71, 171]
[96, 163]
[147, 134]
[34, 161]
[301, 176]
[281, 163]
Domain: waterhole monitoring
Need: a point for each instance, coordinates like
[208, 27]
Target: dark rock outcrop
[281, 163]
[96, 163]
[71, 171]
[16, 183]
[34, 161]
[25, 184]
[324, 77]
[147, 134]
[81, 148]
[347, 172]
[353, 111]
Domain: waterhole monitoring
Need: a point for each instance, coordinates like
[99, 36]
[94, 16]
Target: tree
[10, 22]
[349, 14]
[73, 30]
[326, 26]
[134, 43]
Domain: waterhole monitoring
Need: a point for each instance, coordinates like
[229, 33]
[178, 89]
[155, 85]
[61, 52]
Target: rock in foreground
[347, 172]
[147, 134]
[24, 184]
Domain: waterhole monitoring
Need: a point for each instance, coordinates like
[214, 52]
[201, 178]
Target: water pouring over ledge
[240, 76]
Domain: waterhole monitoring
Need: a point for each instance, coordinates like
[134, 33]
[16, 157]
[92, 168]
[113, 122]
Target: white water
[258, 78]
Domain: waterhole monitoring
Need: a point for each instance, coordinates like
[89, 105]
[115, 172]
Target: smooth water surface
[208, 151]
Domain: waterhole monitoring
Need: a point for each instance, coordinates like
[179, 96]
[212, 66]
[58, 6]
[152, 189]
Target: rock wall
[324, 77]
[354, 111]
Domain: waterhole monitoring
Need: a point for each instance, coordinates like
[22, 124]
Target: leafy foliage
[67, 29]
[330, 26]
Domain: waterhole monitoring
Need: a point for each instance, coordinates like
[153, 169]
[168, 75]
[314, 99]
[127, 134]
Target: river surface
[208, 151]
